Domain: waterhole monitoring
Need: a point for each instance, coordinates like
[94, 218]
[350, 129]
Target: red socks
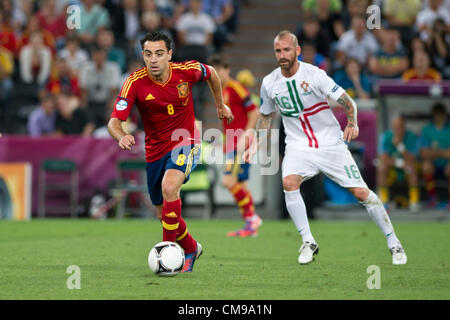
[171, 213]
[174, 227]
[430, 185]
[184, 239]
[244, 200]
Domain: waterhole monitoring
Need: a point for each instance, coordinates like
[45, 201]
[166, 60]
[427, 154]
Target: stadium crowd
[59, 81]
[43, 62]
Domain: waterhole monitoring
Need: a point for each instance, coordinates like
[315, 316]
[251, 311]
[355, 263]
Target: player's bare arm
[125, 140]
[351, 131]
[216, 88]
[262, 126]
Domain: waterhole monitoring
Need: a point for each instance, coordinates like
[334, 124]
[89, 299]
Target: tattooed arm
[263, 124]
[351, 131]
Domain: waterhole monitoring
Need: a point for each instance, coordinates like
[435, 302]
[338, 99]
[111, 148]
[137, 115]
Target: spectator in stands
[23, 10]
[53, 21]
[356, 43]
[75, 56]
[247, 79]
[164, 7]
[93, 17]
[402, 15]
[126, 23]
[7, 37]
[353, 80]
[42, 120]
[310, 55]
[150, 21]
[391, 60]
[220, 11]
[311, 32]
[435, 152]
[312, 7]
[71, 119]
[105, 40]
[35, 61]
[133, 66]
[421, 70]
[397, 157]
[195, 31]
[34, 26]
[426, 17]
[6, 84]
[353, 8]
[330, 20]
[439, 46]
[417, 44]
[62, 79]
[99, 80]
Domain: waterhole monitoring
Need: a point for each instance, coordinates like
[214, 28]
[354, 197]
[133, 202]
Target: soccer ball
[166, 259]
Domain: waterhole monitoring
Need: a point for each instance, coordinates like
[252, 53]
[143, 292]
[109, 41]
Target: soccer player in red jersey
[162, 93]
[236, 172]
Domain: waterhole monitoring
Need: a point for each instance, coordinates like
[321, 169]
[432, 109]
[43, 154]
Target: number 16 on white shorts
[336, 162]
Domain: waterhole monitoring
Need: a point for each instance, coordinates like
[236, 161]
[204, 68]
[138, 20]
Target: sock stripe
[168, 226]
[235, 189]
[183, 235]
[244, 201]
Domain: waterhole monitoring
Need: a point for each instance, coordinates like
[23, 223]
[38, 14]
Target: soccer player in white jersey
[314, 140]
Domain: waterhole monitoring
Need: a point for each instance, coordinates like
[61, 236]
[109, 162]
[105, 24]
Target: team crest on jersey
[305, 86]
[183, 90]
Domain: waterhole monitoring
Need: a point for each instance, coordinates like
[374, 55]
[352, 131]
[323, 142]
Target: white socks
[297, 211]
[378, 213]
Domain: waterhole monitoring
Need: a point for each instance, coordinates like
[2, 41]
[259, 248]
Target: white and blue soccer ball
[166, 259]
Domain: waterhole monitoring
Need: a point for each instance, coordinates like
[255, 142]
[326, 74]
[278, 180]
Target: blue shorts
[184, 159]
[236, 167]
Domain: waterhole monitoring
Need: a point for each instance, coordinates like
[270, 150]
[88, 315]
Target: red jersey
[164, 107]
[237, 97]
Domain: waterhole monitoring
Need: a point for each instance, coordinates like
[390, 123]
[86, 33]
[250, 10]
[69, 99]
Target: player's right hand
[225, 112]
[126, 142]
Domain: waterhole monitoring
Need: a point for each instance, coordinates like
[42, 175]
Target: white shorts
[336, 162]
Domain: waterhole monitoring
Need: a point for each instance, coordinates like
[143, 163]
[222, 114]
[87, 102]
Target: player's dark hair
[438, 107]
[218, 60]
[156, 36]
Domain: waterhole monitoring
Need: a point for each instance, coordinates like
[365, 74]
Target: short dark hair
[438, 107]
[218, 60]
[156, 36]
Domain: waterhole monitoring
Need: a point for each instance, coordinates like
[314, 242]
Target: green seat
[125, 186]
[64, 177]
[59, 165]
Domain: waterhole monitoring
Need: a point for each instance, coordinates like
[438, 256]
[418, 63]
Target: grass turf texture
[112, 256]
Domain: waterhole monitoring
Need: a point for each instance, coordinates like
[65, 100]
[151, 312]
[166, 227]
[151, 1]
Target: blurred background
[58, 88]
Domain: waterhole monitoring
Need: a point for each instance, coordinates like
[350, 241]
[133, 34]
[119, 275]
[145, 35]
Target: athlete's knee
[229, 181]
[170, 190]
[292, 182]
[360, 193]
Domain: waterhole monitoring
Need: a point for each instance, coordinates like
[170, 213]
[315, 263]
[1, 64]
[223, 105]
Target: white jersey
[302, 101]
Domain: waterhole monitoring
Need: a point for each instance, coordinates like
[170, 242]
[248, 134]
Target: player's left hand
[351, 132]
[225, 112]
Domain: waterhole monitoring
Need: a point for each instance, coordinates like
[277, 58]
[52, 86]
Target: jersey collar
[168, 79]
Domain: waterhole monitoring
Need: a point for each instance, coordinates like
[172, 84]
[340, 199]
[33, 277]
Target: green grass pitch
[112, 256]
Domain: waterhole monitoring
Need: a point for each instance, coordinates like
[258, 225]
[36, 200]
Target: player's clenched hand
[351, 132]
[225, 112]
[126, 142]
